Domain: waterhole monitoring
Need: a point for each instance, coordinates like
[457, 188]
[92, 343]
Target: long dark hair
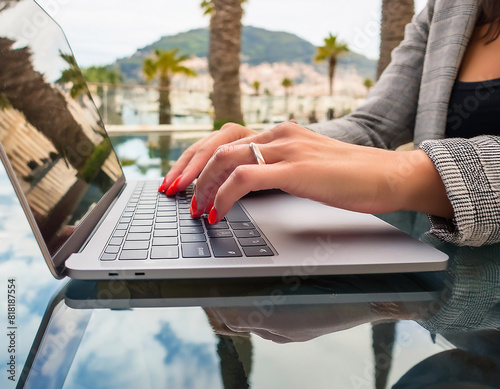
[490, 14]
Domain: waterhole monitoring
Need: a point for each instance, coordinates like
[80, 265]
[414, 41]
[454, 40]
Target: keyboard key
[165, 252]
[165, 233]
[165, 241]
[193, 238]
[122, 226]
[138, 236]
[136, 245]
[165, 199]
[166, 206]
[190, 223]
[185, 216]
[242, 226]
[225, 247]
[252, 242]
[166, 219]
[220, 234]
[146, 207]
[258, 251]
[125, 220]
[108, 257]
[145, 211]
[115, 241]
[166, 213]
[185, 205]
[192, 230]
[119, 233]
[184, 211]
[140, 229]
[112, 249]
[146, 202]
[134, 254]
[165, 226]
[246, 233]
[144, 216]
[142, 222]
[218, 226]
[128, 214]
[195, 250]
[236, 214]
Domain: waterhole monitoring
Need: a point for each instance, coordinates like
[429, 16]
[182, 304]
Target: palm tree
[396, 14]
[224, 58]
[287, 84]
[165, 64]
[256, 86]
[368, 84]
[331, 51]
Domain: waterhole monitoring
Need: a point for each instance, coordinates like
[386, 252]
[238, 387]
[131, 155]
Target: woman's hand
[306, 164]
[194, 159]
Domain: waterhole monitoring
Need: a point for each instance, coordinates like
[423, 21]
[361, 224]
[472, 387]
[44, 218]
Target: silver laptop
[92, 224]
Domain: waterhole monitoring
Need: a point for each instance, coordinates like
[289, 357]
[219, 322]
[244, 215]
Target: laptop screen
[50, 129]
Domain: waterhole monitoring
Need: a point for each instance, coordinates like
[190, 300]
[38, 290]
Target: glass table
[382, 331]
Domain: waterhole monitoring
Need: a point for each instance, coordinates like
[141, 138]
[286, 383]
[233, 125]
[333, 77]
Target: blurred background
[197, 64]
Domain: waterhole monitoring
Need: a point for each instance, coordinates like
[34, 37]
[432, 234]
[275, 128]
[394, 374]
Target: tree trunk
[396, 14]
[165, 107]
[224, 61]
[331, 72]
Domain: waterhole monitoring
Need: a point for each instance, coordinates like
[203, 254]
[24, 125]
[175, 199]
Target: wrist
[418, 186]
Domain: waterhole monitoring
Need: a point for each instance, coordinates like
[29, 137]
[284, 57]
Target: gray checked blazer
[410, 103]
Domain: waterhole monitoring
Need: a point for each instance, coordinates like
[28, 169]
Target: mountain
[258, 46]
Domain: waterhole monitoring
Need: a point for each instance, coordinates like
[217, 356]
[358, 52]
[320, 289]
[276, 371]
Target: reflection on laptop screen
[50, 129]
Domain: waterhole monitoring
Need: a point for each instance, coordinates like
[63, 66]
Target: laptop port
[112, 274]
[140, 274]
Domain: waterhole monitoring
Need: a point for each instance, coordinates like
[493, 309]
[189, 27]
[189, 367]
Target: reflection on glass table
[344, 331]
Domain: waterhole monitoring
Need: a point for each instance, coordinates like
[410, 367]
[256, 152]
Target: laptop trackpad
[305, 230]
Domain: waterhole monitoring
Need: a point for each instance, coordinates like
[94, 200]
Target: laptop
[91, 223]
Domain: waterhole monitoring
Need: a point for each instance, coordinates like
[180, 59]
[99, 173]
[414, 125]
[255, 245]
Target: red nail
[162, 186]
[173, 188]
[194, 207]
[212, 216]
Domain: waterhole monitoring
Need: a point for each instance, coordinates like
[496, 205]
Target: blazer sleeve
[387, 118]
[470, 170]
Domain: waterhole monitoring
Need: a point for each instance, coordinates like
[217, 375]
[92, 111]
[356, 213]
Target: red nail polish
[212, 216]
[162, 186]
[194, 207]
[173, 188]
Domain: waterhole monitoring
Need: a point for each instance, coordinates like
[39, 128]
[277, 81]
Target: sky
[102, 31]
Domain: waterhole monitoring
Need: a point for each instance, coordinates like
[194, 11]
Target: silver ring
[257, 153]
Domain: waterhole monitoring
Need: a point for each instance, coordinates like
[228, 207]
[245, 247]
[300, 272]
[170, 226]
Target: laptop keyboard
[154, 226]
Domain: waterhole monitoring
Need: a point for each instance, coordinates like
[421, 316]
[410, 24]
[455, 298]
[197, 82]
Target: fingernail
[173, 188]
[194, 207]
[162, 186]
[212, 216]
[210, 206]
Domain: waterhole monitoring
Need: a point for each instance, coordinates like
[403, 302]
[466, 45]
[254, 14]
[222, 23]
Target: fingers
[171, 182]
[221, 165]
[194, 159]
[244, 179]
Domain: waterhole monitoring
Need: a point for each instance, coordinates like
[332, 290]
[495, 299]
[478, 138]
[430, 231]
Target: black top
[474, 109]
